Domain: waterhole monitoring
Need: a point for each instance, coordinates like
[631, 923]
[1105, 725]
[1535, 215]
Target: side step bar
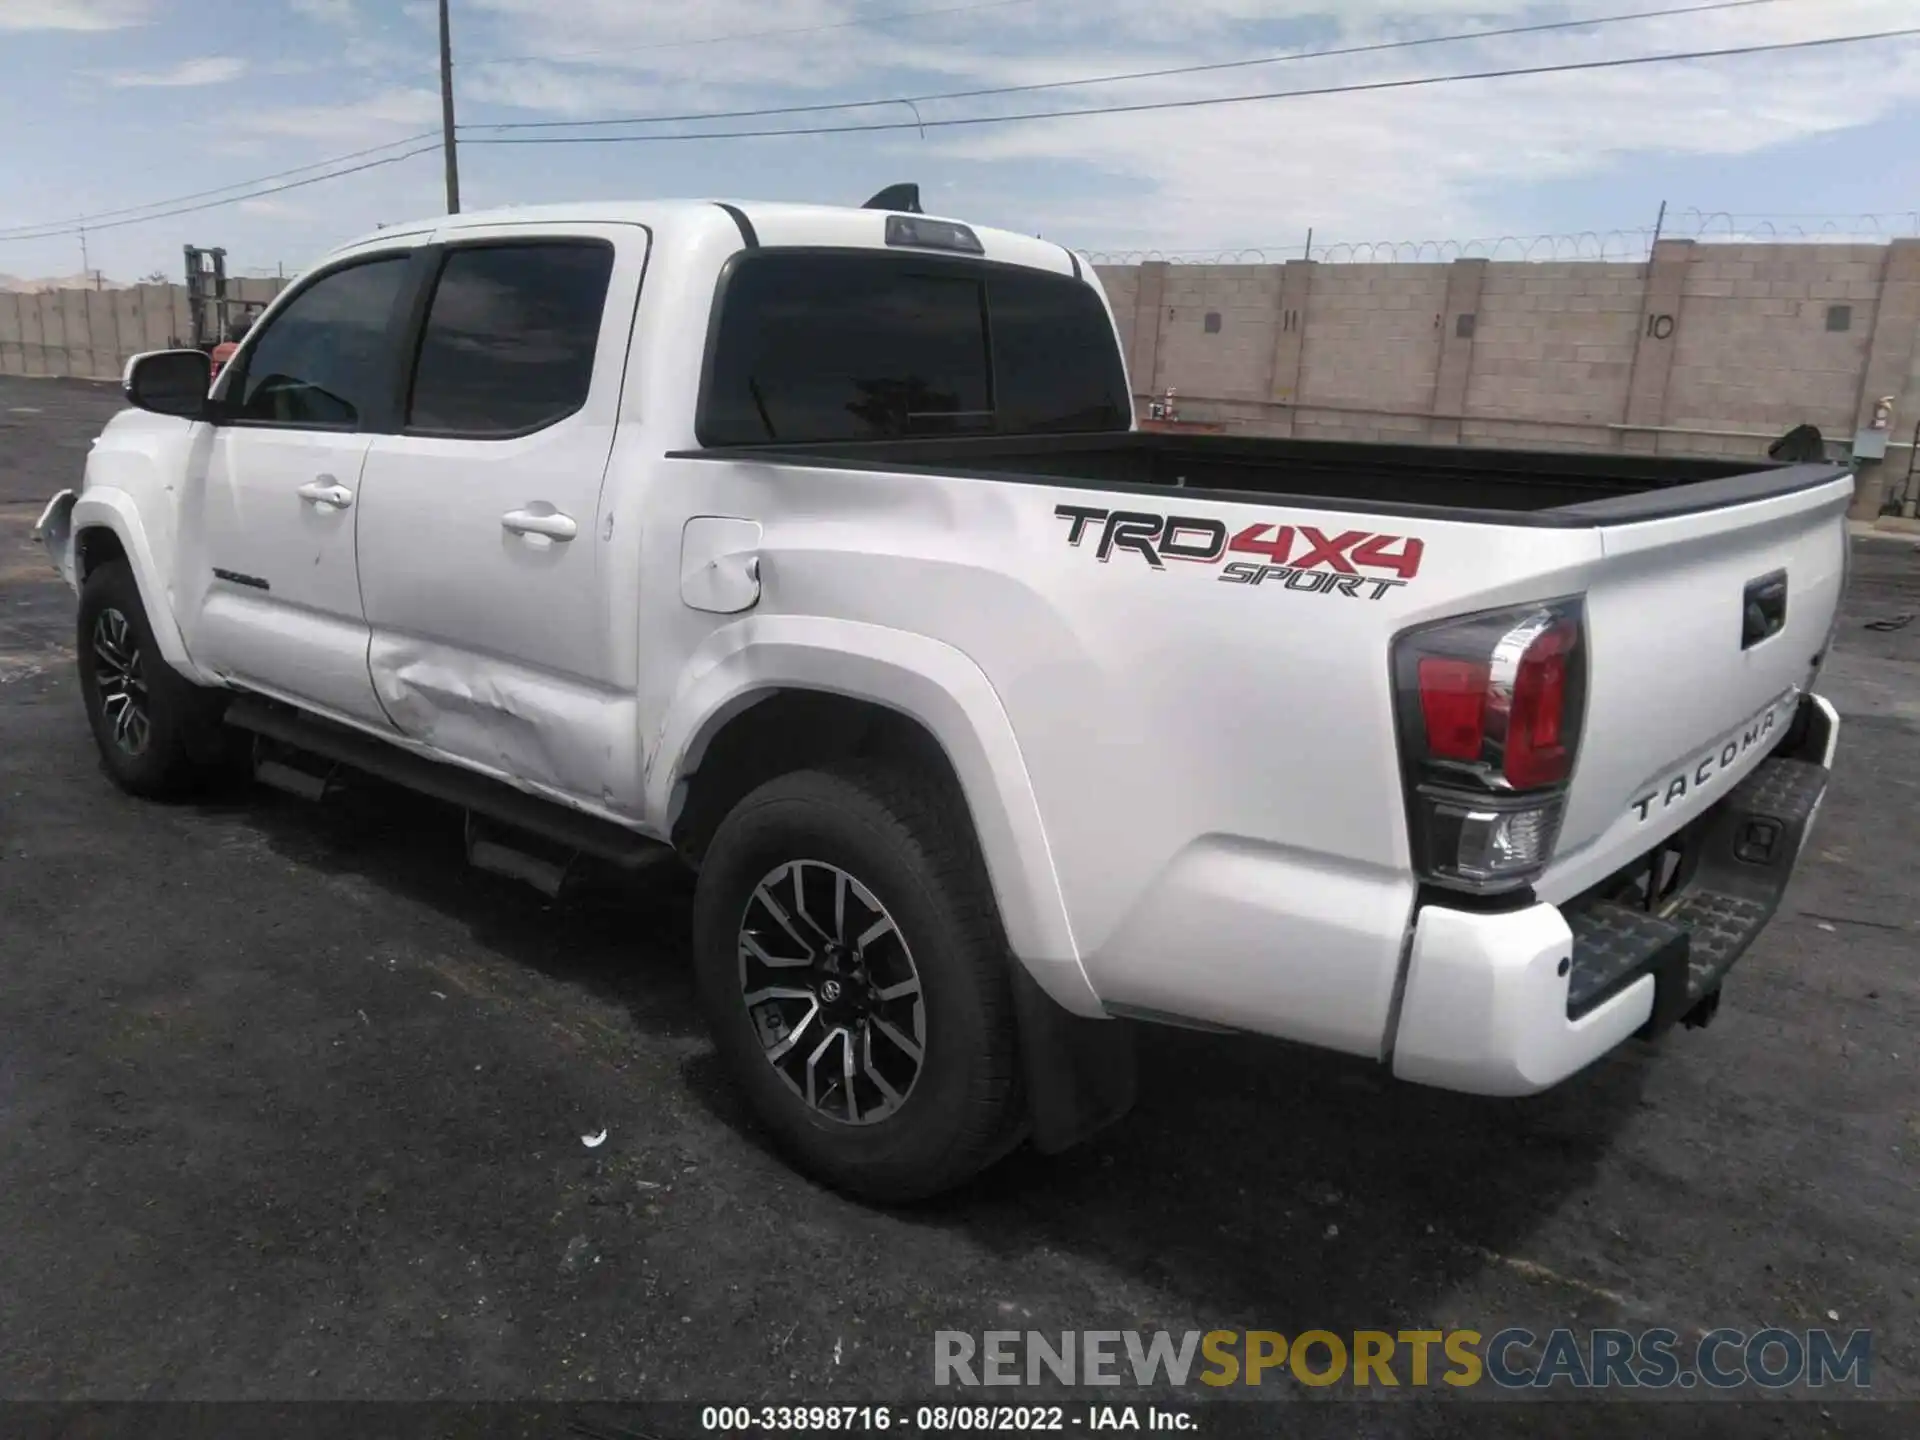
[292, 779]
[501, 855]
[477, 794]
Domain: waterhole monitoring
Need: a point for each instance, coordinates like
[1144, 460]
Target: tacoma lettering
[1679, 786]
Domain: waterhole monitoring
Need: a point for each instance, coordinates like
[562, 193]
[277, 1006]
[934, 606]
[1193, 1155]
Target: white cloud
[1448, 161]
[1435, 161]
[72, 14]
[206, 70]
[382, 116]
[276, 209]
[339, 13]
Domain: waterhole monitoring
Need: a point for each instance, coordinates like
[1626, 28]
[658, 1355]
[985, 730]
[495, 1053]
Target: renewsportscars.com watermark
[1512, 1359]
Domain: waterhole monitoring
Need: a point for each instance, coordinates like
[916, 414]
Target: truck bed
[1514, 487]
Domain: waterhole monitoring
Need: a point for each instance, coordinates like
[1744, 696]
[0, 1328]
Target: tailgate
[1703, 630]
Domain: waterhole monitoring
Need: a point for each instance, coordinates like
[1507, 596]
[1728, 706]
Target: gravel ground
[291, 1105]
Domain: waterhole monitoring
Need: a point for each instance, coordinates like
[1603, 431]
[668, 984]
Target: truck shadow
[622, 939]
[1266, 1185]
[1272, 1186]
[1279, 1187]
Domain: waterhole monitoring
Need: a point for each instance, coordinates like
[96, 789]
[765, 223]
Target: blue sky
[114, 103]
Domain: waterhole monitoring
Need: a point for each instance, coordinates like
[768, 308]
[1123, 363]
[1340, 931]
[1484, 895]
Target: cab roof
[755, 224]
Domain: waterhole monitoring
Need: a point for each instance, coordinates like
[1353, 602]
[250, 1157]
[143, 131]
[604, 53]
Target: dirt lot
[291, 1105]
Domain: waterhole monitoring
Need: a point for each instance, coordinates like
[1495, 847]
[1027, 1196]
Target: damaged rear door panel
[482, 522]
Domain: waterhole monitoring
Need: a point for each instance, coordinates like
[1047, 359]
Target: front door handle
[326, 491]
[550, 523]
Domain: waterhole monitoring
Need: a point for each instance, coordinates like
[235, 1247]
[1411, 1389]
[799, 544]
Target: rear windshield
[860, 345]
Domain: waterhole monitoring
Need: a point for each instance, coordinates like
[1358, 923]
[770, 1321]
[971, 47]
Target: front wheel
[853, 970]
[157, 732]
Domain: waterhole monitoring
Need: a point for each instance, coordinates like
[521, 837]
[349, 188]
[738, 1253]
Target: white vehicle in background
[817, 547]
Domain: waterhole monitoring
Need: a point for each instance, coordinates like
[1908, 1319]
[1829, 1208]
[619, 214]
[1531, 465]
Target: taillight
[1489, 710]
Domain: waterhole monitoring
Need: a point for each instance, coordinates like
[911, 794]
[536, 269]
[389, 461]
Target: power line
[231, 199]
[858, 23]
[73, 222]
[105, 221]
[1293, 55]
[1567, 67]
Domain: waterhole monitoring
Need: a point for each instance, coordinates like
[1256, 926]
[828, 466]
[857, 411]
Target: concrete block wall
[1371, 338]
[1893, 370]
[1755, 350]
[1703, 349]
[1231, 360]
[1552, 343]
[92, 333]
[1123, 294]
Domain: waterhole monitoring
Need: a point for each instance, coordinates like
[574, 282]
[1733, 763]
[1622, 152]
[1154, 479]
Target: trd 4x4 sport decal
[1298, 557]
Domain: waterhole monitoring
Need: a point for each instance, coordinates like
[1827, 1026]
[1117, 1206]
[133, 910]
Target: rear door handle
[550, 523]
[325, 490]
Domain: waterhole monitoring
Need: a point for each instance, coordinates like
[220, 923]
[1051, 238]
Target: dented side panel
[549, 731]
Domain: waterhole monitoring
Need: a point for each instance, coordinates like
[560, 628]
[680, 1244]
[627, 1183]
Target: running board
[290, 779]
[477, 794]
[500, 855]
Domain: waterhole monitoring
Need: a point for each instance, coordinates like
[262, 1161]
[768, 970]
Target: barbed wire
[1698, 224]
[1628, 245]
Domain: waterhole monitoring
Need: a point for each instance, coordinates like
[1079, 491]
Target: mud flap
[54, 531]
[1081, 1074]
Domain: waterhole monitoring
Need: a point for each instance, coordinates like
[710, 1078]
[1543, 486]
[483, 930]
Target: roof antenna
[903, 198]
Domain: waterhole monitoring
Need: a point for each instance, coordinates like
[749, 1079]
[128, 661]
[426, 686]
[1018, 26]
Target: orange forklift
[219, 322]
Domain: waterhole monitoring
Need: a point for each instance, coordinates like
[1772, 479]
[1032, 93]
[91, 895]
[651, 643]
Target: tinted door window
[510, 338]
[864, 345]
[831, 347]
[321, 362]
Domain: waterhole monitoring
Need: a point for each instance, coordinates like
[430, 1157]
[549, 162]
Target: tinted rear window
[859, 346]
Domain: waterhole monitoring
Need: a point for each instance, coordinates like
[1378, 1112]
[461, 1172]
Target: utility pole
[85, 263]
[446, 112]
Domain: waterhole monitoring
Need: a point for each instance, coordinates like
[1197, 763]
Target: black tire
[172, 740]
[910, 846]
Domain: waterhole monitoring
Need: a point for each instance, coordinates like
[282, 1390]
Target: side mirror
[169, 382]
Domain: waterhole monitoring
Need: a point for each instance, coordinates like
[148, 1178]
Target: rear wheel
[157, 733]
[853, 971]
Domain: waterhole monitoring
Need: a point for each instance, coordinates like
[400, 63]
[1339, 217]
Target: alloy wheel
[119, 676]
[831, 988]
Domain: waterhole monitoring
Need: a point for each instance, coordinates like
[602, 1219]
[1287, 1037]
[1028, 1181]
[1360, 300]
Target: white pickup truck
[816, 547]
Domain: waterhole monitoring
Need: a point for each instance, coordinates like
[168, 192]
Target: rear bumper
[1510, 1003]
